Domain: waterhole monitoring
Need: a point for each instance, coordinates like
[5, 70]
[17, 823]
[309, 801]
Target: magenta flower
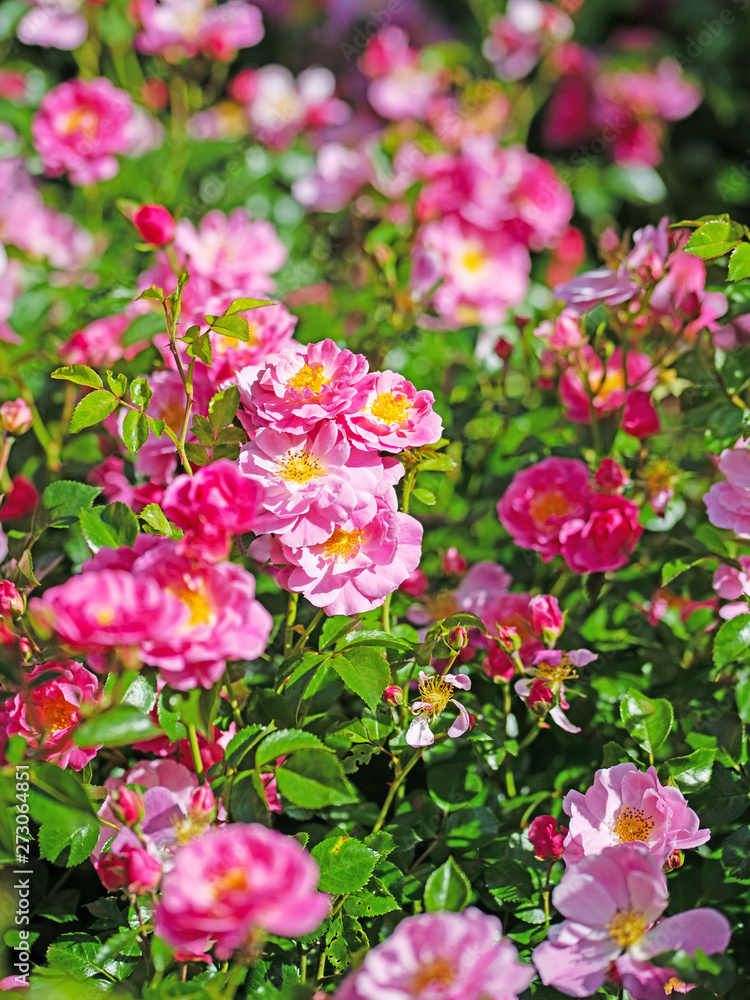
[607, 383]
[604, 540]
[47, 714]
[612, 902]
[211, 507]
[541, 500]
[180, 29]
[297, 388]
[395, 417]
[79, 126]
[354, 569]
[624, 805]
[441, 956]
[546, 618]
[728, 504]
[234, 881]
[312, 483]
[552, 668]
[131, 868]
[546, 838]
[99, 344]
[435, 693]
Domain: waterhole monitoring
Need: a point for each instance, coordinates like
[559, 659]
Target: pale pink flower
[541, 500]
[604, 540]
[54, 24]
[401, 87]
[552, 668]
[339, 174]
[211, 507]
[354, 569]
[728, 504]
[312, 483]
[47, 714]
[180, 29]
[235, 881]
[435, 694]
[516, 38]
[79, 127]
[624, 805]
[297, 388]
[16, 416]
[441, 956]
[396, 416]
[733, 585]
[680, 300]
[613, 902]
[563, 333]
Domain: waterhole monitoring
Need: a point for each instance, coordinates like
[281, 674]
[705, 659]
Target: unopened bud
[509, 638]
[457, 638]
[415, 585]
[503, 348]
[675, 860]
[128, 806]
[202, 803]
[546, 838]
[16, 416]
[540, 697]
[10, 599]
[454, 563]
[393, 694]
[155, 225]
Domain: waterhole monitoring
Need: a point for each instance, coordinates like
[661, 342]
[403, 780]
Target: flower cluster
[319, 421]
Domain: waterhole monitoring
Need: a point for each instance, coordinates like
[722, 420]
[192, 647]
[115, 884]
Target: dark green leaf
[135, 430]
[284, 742]
[735, 855]
[694, 771]
[447, 888]
[314, 780]
[365, 671]
[110, 526]
[732, 641]
[92, 409]
[345, 864]
[648, 720]
[65, 499]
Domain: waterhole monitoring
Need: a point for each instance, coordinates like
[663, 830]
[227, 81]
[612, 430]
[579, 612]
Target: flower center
[84, 121]
[436, 692]
[342, 544]
[442, 606]
[188, 828]
[626, 927]
[556, 673]
[613, 381]
[672, 984]
[473, 259]
[389, 408]
[632, 824]
[438, 972]
[548, 505]
[54, 711]
[309, 377]
[233, 880]
[300, 466]
[197, 603]
[105, 616]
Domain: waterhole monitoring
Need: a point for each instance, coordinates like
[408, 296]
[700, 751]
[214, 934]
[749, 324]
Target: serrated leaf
[509, 882]
[118, 726]
[135, 430]
[284, 742]
[447, 888]
[58, 802]
[230, 326]
[314, 780]
[732, 641]
[140, 393]
[196, 454]
[201, 349]
[117, 383]
[92, 409]
[714, 239]
[372, 901]
[65, 499]
[223, 408]
[671, 570]
[152, 294]
[365, 671]
[647, 720]
[109, 527]
[735, 855]
[155, 518]
[346, 865]
[240, 745]
[739, 263]
[79, 374]
[246, 304]
[693, 771]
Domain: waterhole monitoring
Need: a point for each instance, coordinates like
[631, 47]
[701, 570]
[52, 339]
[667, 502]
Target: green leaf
[314, 780]
[284, 742]
[201, 349]
[372, 901]
[671, 570]
[509, 882]
[735, 855]
[93, 408]
[742, 694]
[117, 383]
[118, 726]
[694, 771]
[79, 374]
[230, 326]
[140, 393]
[732, 641]
[739, 263]
[78, 954]
[437, 463]
[155, 518]
[345, 864]
[647, 720]
[109, 527]
[65, 499]
[240, 745]
[223, 408]
[365, 671]
[196, 454]
[135, 430]
[714, 239]
[245, 305]
[424, 496]
[152, 294]
[58, 802]
[447, 888]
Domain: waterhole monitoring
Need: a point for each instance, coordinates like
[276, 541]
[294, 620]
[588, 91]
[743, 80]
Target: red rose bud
[154, 224]
[415, 585]
[610, 477]
[16, 416]
[498, 665]
[10, 600]
[457, 638]
[132, 869]
[128, 806]
[675, 860]
[546, 617]
[509, 638]
[393, 694]
[503, 348]
[21, 500]
[454, 563]
[203, 803]
[546, 838]
[472, 720]
[540, 697]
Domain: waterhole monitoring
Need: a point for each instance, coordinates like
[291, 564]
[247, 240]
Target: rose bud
[10, 599]
[454, 563]
[16, 416]
[457, 638]
[540, 697]
[203, 803]
[415, 585]
[675, 860]
[393, 694]
[503, 348]
[509, 638]
[154, 224]
[128, 806]
[546, 618]
[546, 838]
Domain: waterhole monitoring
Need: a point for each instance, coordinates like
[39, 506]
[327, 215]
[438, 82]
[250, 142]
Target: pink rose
[546, 838]
[604, 541]
[395, 415]
[132, 868]
[155, 224]
[16, 416]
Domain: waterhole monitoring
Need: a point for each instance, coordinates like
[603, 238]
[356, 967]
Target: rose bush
[374, 500]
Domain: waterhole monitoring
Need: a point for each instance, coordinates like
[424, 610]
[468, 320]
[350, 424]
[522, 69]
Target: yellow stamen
[105, 616]
[342, 544]
[389, 408]
[300, 466]
[54, 712]
[234, 880]
[436, 692]
[547, 505]
[626, 927]
[197, 603]
[474, 259]
[438, 972]
[673, 984]
[632, 824]
[188, 828]
[309, 377]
